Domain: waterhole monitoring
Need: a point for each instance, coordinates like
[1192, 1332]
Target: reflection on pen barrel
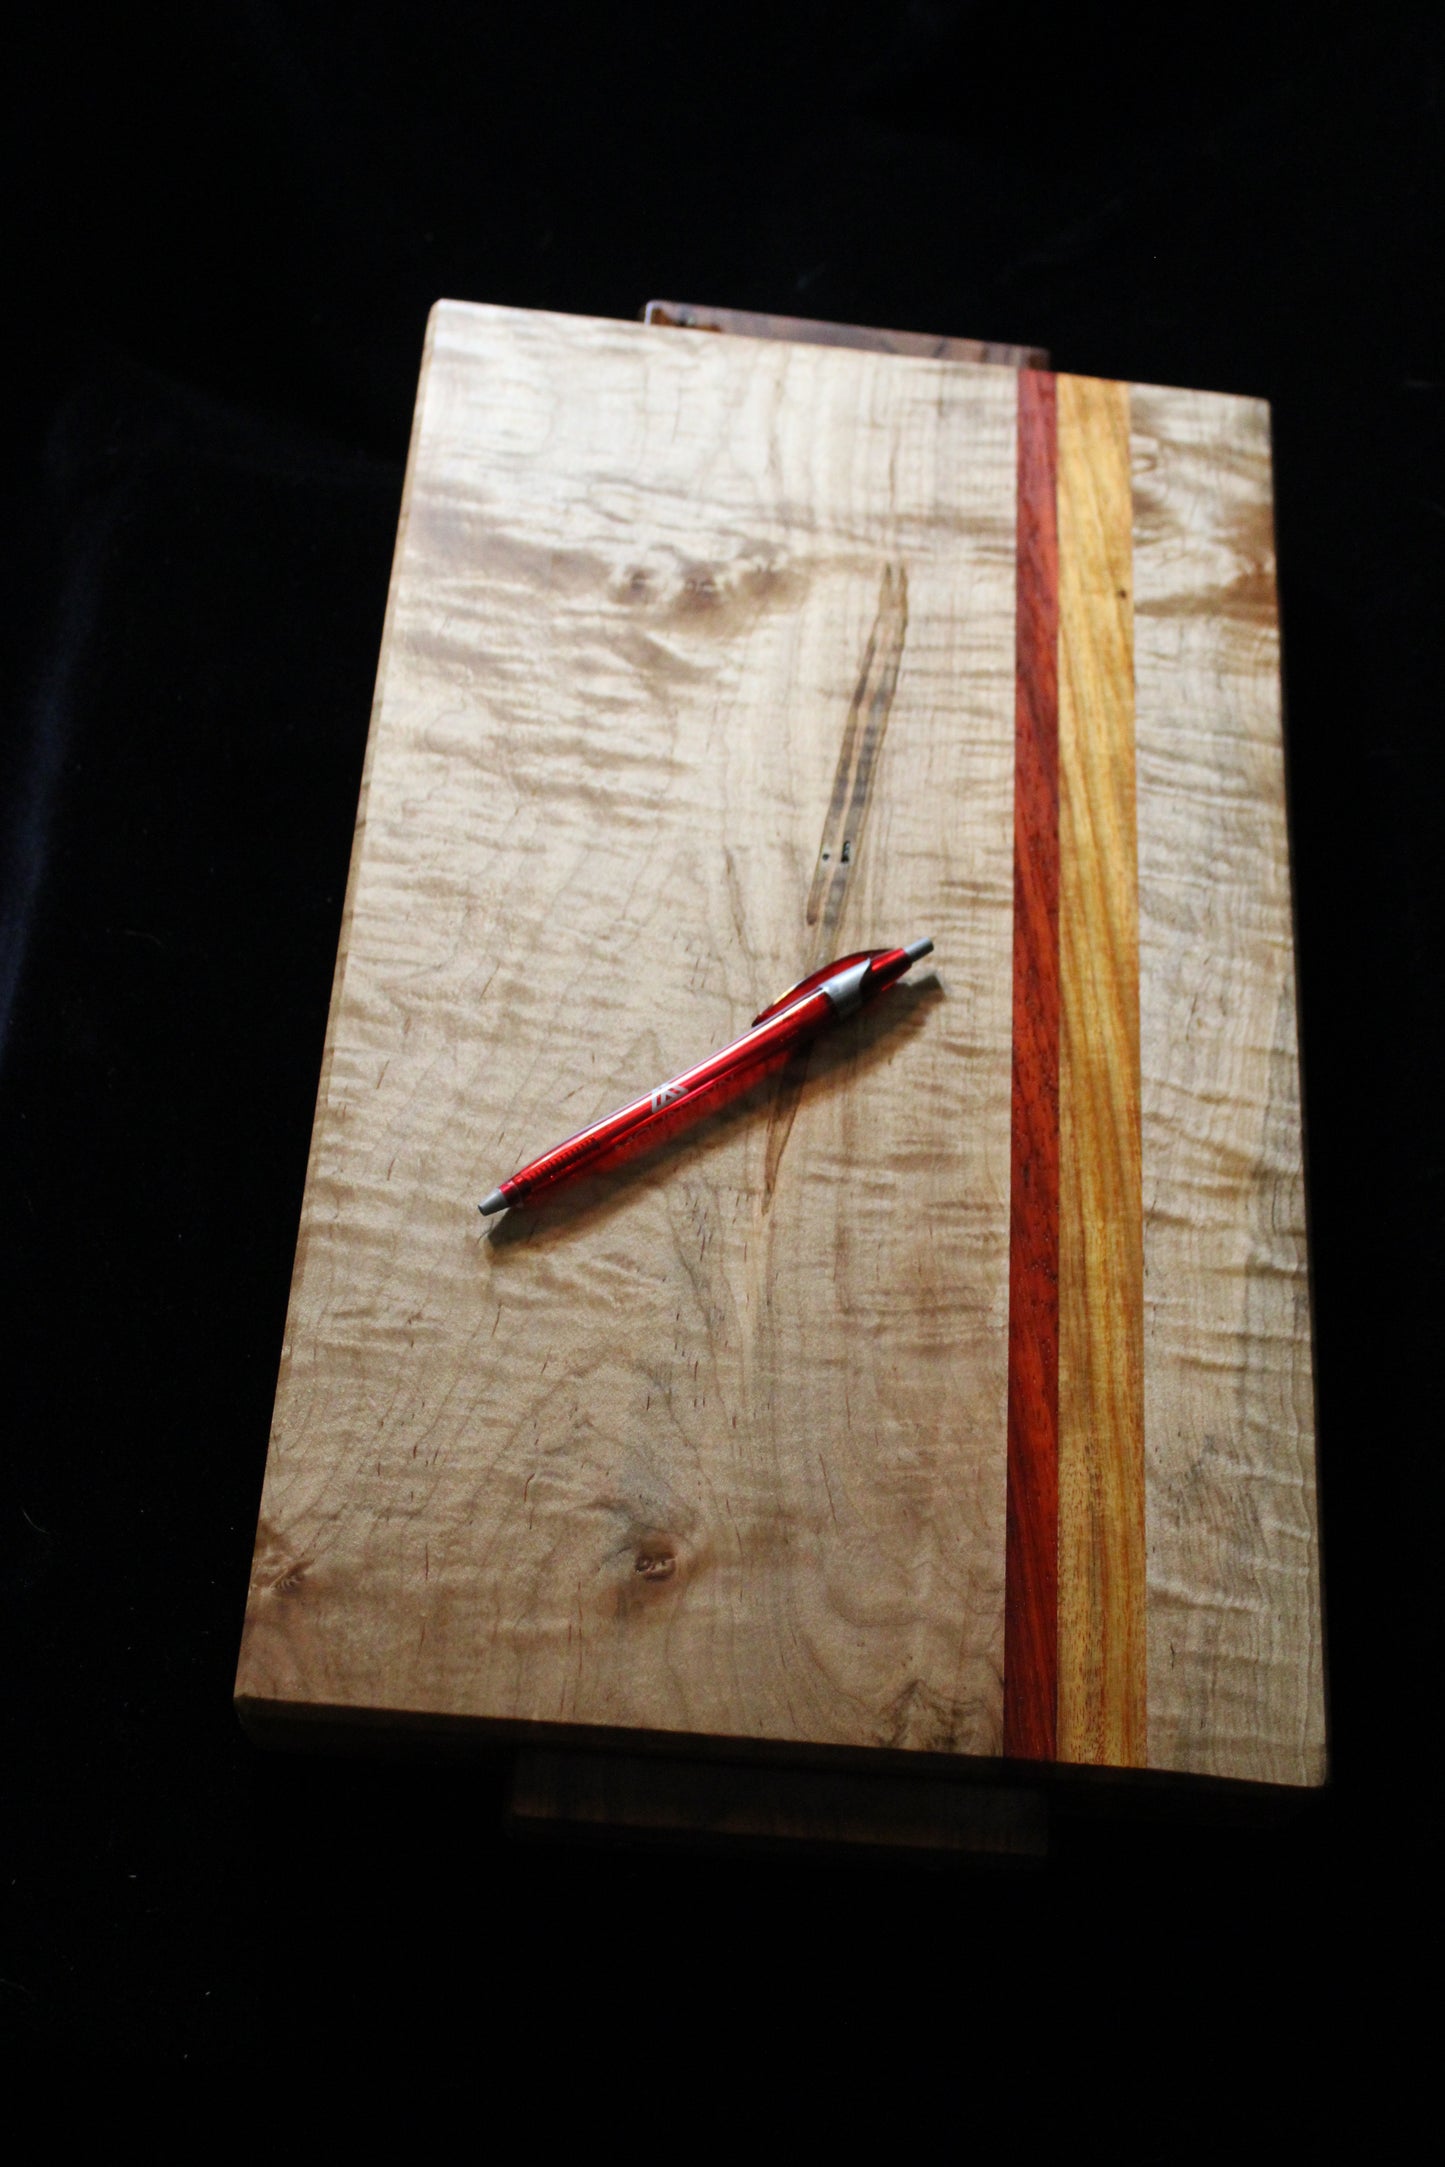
[787, 1024]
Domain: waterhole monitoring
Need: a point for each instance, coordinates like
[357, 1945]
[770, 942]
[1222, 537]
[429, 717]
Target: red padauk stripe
[1031, 1650]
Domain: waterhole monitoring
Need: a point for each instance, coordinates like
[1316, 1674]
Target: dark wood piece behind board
[747, 323]
[731, 1805]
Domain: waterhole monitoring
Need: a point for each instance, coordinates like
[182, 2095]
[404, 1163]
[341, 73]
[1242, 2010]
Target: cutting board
[948, 1402]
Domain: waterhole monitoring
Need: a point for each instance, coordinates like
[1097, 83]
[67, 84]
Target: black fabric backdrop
[226, 225]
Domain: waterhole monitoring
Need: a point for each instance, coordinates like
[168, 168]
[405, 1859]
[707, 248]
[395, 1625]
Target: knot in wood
[655, 1564]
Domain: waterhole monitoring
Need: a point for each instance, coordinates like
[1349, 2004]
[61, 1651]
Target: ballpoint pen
[797, 1016]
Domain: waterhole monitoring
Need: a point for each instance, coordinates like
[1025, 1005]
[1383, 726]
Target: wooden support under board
[812, 331]
[734, 1448]
[560, 1792]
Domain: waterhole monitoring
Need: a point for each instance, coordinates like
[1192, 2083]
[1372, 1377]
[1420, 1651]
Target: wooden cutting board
[952, 1397]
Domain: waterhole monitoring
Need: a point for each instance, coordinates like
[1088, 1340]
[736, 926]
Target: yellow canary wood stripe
[1102, 1713]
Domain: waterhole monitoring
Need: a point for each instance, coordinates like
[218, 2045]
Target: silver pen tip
[495, 1202]
[917, 949]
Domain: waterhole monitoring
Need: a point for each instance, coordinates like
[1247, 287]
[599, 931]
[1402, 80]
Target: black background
[226, 225]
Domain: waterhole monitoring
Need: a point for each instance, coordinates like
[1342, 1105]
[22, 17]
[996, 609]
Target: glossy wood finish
[1102, 1663]
[749, 323]
[1031, 1601]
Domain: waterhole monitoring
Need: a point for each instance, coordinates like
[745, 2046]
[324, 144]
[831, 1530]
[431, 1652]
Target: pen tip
[495, 1202]
[917, 949]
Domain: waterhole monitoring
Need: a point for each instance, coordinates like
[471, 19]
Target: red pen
[797, 1016]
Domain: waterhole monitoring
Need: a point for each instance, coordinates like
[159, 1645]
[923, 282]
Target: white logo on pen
[664, 1096]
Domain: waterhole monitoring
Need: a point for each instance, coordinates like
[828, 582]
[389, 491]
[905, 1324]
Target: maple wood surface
[701, 665]
[720, 1450]
[1234, 1627]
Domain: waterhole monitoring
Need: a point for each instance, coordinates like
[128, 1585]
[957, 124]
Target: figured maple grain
[702, 657]
[720, 1450]
[1031, 1549]
[1102, 1655]
[1235, 1660]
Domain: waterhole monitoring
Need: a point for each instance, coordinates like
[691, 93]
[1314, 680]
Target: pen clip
[813, 980]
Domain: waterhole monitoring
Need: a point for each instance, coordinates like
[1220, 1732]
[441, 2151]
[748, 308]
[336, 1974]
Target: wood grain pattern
[705, 658]
[1235, 1666]
[842, 845]
[750, 323]
[1102, 1654]
[711, 1453]
[1031, 1585]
